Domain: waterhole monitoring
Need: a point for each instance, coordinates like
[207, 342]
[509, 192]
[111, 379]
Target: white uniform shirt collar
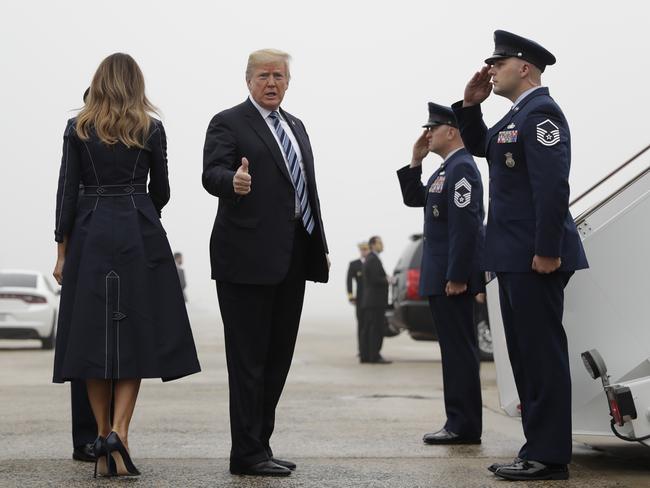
[524, 95]
[452, 153]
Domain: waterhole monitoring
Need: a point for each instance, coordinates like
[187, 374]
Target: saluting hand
[478, 88]
[455, 288]
[420, 150]
[241, 182]
[545, 265]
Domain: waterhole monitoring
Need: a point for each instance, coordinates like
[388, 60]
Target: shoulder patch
[548, 134]
[462, 193]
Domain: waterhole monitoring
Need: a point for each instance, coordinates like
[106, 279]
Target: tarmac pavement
[343, 423]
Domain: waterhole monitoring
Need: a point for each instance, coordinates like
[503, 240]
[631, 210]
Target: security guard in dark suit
[450, 272]
[355, 293]
[531, 242]
[373, 303]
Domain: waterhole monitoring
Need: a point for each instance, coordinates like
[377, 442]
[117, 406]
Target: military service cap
[440, 115]
[509, 45]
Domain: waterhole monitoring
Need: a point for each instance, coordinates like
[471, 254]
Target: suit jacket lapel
[260, 126]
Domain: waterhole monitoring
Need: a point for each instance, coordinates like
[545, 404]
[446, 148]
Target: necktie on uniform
[297, 177]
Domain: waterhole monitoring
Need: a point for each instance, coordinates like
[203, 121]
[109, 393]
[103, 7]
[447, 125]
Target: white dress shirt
[294, 142]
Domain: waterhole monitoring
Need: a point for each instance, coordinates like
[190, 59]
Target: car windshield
[18, 279]
[412, 255]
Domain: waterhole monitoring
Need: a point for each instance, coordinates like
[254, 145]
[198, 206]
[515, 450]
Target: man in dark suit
[84, 427]
[531, 242]
[450, 274]
[374, 302]
[267, 239]
[355, 293]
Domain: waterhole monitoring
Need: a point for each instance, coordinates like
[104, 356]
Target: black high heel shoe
[102, 456]
[117, 451]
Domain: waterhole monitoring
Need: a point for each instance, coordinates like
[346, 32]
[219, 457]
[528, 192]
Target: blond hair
[117, 108]
[264, 56]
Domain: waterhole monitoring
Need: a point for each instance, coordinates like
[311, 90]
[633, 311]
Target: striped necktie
[296, 173]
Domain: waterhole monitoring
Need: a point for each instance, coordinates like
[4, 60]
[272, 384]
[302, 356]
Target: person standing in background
[354, 284]
[374, 303]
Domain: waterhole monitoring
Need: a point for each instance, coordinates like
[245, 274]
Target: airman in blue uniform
[531, 242]
[450, 272]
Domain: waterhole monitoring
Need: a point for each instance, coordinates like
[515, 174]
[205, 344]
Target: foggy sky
[362, 73]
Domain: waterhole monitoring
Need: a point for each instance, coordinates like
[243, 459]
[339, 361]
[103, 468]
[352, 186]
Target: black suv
[411, 312]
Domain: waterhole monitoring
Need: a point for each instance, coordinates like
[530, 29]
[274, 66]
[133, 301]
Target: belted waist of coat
[115, 190]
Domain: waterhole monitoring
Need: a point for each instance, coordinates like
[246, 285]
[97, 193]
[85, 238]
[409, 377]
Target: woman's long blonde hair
[117, 108]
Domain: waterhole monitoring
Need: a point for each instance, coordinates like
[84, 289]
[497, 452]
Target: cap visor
[492, 59]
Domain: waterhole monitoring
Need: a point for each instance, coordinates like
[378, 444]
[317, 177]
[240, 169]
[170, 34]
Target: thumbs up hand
[241, 182]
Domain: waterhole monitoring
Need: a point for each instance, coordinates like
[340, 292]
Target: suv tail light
[412, 284]
[25, 298]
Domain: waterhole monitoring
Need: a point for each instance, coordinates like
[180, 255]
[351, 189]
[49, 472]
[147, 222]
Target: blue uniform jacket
[453, 222]
[529, 154]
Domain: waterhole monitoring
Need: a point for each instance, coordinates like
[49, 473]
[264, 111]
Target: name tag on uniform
[507, 137]
[436, 186]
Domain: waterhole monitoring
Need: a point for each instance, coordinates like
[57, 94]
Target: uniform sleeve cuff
[407, 170]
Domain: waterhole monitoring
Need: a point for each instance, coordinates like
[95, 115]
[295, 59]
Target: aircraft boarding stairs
[607, 309]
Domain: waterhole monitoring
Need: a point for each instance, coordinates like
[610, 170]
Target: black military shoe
[494, 466]
[265, 468]
[287, 464]
[533, 470]
[443, 436]
[381, 360]
[84, 453]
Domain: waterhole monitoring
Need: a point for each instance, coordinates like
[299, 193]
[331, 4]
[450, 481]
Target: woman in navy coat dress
[122, 315]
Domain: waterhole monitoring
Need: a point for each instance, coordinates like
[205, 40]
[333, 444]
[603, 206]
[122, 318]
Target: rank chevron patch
[548, 133]
[462, 193]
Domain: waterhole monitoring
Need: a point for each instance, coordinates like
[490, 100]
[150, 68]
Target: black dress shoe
[493, 467]
[265, 468]
[84, 453]
[287, 464]
[532, 471]
[381, 361]
[443, 436]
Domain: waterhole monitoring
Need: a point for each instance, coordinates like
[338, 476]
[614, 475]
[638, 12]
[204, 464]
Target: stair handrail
[608, 176]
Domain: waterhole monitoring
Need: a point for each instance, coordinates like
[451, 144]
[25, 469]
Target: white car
[28, 307]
